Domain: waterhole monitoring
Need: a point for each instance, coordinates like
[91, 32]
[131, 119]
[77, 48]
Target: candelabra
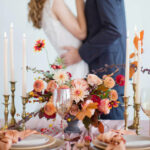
[133, 126]
[24, 100]
[13, 109]
[126, 100]
[137, 108]
[6, 97]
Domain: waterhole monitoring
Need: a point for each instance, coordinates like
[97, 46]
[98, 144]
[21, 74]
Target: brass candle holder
[137, 108]
[126, 100]
[133, 126]
[24, 100]
[6, 97]
[13, 109]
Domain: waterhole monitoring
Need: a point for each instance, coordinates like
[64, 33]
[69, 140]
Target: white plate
[35, 139]
[32, 140]
[133, 142]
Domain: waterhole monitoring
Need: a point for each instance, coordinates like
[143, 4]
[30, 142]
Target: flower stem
[47, 58]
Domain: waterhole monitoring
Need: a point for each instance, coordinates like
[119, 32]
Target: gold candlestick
[126, 100]
[24, 100]
[133, 126]
[6, 97]
[137, 107]
[13, 109]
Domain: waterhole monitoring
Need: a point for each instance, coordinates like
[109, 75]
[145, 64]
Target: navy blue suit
[106, 40]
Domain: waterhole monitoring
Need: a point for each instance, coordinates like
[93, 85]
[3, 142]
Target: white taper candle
[5, 64]
[138, 74]
[24, 76]
[135, 58]
[12, 54]
[126, 94]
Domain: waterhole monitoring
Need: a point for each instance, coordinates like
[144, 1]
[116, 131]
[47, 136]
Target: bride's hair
[35, 12]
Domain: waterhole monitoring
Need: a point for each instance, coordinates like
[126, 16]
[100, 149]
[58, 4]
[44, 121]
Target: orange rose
[38, 85]
[113, 95]
[49, 109]
[51, 86]
[92, 79]
[109, 82]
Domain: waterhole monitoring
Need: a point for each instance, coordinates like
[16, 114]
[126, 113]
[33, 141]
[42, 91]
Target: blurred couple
[88, 41]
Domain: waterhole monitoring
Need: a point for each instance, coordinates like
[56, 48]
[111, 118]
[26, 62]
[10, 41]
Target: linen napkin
[9, 137]
[114, 139]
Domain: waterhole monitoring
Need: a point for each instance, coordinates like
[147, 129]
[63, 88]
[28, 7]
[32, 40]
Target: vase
[72, 125]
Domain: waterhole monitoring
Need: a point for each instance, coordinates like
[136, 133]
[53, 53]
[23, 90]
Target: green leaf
[86, 122]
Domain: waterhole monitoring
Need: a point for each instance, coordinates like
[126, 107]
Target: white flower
[61, 77]
[78, 93]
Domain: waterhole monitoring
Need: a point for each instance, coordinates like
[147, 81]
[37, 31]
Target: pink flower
[120, 80]
[87, 138]
[104, 106]
[92, 80]
[109, 82]
[38, 85]
[113, 95]
[51, 86]
[80, 82]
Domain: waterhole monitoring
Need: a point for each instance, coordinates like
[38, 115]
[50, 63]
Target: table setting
[70, 116]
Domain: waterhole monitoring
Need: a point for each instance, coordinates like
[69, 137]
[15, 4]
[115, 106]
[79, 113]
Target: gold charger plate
[97, 145]
[51, 142]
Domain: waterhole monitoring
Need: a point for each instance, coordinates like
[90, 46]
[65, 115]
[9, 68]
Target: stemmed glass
[145, 102]
[62, 101]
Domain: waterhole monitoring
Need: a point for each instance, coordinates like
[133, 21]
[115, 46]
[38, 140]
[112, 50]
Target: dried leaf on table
[101, 127]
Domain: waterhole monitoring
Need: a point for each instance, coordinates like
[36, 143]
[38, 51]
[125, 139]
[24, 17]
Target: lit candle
[138, 74]
[127, 67]
[24, 80]
[135, 58]
[12, 54]
[5, 64]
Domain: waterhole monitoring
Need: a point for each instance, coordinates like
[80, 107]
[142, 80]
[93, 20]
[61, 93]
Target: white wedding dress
[59, 37]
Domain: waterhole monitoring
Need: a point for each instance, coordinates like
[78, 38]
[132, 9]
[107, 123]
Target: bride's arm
[75, 25]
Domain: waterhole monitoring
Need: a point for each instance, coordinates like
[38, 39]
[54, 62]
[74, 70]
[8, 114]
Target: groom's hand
[71, 56]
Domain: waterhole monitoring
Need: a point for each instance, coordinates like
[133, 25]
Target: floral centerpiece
[90, 96]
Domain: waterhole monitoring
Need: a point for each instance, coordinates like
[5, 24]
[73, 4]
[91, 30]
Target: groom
[105, 43]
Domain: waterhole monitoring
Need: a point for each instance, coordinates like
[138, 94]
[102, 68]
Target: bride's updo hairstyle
[35, 12]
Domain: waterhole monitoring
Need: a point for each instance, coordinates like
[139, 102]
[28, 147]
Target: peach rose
[109, 82]
[51, 86]
[104, 106]
[93, 79]
[49, 109]
[80, 82]
[38, 85]
[113, 95]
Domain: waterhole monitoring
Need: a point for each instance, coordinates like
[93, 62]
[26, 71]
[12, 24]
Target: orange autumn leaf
[135, 41]
[86, 111]
[133, 67]
[132, 55]
[141, 35]
[101, 127]
[142, 50]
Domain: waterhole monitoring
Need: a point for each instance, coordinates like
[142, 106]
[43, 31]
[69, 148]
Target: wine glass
[145, 102]
[62, 103]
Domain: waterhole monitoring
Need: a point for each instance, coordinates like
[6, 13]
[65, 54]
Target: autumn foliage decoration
[134, 63]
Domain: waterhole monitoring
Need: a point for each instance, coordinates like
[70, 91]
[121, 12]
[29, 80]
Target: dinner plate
[34, 142]
[133, 142]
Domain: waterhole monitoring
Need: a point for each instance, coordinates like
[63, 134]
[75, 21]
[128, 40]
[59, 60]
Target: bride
[61, 27]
